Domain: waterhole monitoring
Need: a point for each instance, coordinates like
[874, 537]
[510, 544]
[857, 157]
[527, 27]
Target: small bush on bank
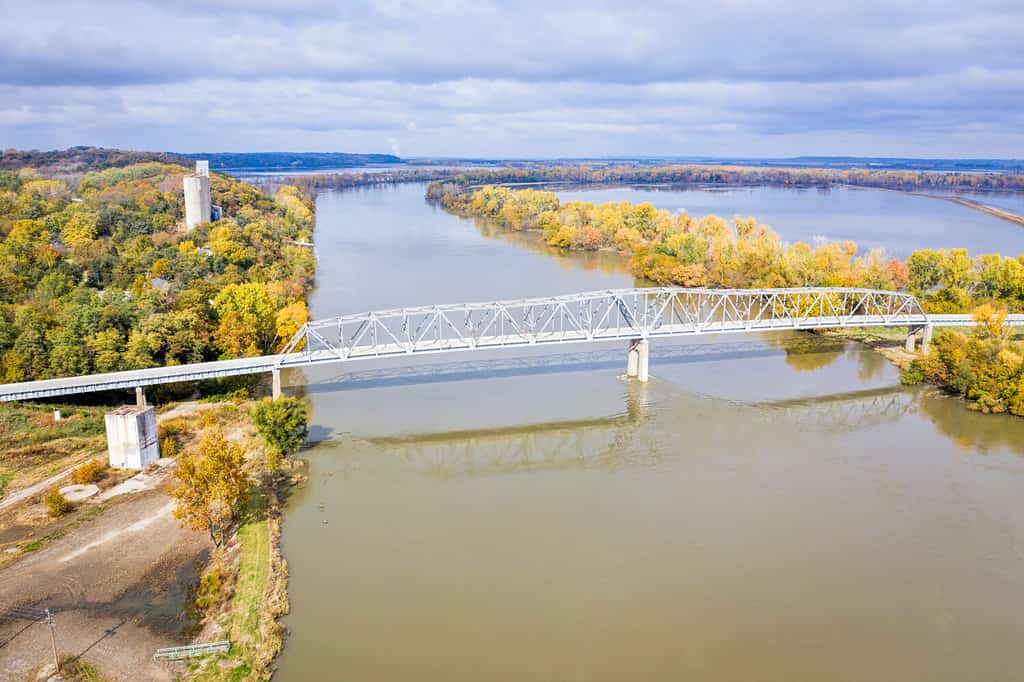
[914, 374]
[210, 592]
[88, 472]
[57, 504]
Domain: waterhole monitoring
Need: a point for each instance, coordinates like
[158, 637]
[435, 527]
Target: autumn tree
[212, 482]
[247, 319]
[289, 320]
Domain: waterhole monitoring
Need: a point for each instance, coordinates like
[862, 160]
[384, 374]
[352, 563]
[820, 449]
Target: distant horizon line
[586, 157]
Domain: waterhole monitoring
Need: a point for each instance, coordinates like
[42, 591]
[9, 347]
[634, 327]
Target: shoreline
[994, 211]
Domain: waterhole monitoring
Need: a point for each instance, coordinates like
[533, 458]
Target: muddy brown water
[768, 507]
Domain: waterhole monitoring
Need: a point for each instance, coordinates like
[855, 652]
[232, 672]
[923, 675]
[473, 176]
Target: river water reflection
[767, 507]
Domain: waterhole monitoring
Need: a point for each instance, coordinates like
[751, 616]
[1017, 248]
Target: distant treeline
[742, 175]
[311, 184]
[292, 160]
[80, 159]
[691, 174]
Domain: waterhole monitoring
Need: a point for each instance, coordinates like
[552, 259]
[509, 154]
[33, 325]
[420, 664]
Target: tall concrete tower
[197, 196]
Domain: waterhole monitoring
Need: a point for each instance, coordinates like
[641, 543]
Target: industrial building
[132, 437]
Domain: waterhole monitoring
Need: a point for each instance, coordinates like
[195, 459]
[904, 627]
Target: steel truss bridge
[634, 315]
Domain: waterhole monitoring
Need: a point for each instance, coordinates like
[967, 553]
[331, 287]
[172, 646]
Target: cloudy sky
[532, 78]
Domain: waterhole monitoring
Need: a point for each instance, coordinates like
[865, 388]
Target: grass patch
[5, 478]
[37, 544]
[27, 424]
[253, 571]
[251, 578]
[73, 669]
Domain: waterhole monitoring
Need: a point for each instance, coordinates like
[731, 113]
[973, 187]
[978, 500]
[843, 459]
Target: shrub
[914, 374]
[283, 424]
[88, 472]
[57, 504]
[210, 591]
[170, 428]
[208, 419]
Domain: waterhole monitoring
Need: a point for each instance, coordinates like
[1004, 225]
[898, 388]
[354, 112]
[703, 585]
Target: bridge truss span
[595, 316]
[636, 315]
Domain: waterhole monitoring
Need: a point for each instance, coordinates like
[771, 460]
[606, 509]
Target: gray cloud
[527, 78]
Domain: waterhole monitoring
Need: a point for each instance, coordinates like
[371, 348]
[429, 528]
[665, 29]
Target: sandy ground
[118, 586]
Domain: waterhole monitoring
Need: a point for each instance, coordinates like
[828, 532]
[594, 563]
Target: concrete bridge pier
[140, 396]
[926, 337]
[636, 365]
[276, 383]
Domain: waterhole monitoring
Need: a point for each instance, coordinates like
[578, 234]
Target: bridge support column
[641, 371]
[910, 340]
[926, 338]
[636, 366]
[276, 383]
[140, 396]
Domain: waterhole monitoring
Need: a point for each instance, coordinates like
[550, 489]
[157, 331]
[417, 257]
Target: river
[768, 507]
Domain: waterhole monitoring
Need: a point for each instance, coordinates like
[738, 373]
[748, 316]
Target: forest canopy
[97, 273]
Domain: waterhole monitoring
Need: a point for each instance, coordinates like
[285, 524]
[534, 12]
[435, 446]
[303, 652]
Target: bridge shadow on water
[473, 370]
[644, 435]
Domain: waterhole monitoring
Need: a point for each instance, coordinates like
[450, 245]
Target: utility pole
[53, 639]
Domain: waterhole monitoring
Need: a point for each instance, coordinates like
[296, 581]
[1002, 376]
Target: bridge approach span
[636, 315]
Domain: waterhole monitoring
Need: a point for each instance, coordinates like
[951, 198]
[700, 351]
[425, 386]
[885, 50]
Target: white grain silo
[197, 196]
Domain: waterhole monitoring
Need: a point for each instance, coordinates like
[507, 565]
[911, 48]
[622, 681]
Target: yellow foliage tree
[991, 322]
[212, 482]
[289, 319]
[80, 229]
[247, 319]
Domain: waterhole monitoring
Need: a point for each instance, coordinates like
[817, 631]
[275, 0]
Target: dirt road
[118, 585]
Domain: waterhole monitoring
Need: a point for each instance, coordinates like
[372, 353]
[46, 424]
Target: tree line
[710, 251]
[678, 174]
[97, 274]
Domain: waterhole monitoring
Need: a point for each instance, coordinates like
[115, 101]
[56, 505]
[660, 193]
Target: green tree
[283, 424]
[925, 270]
